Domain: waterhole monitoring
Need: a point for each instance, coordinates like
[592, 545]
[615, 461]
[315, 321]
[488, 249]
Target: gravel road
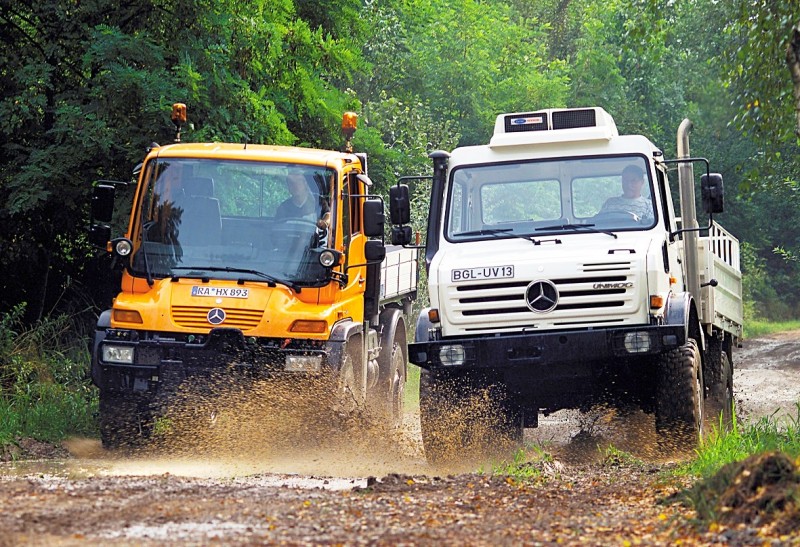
[379, 490]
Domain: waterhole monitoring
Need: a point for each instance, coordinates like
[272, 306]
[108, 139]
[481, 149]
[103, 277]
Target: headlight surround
[113, 353]
[452, 354]
[329, 258]
[637, 342]
[303, 363]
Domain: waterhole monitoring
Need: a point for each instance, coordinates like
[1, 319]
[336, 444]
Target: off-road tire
[386, 397]
[718, 376]
[349, 377]
[396, 386]
[125, 420]
[680, 398]
[465, 417]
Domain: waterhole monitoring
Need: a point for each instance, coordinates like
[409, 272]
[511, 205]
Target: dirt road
[306, 493]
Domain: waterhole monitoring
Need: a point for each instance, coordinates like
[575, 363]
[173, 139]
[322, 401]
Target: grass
[411, 395]
[761, 327]
[44, 391]
[765, 435]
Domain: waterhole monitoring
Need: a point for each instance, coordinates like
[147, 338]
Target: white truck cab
[560, 272]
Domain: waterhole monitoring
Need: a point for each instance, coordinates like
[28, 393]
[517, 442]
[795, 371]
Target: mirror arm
[672, 235]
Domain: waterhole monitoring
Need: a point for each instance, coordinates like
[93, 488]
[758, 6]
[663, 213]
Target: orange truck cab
[268, 259]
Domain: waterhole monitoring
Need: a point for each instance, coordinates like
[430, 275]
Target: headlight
[329, 258]
[117, 354]
[452, 354]
[123, 247]
[303, 363]
[637, 342]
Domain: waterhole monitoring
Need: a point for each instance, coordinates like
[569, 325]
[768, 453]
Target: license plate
[220, 292]
[486, 272]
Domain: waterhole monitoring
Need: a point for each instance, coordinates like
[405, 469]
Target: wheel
[124, 420]
[349, 378]
[466, 417]
[396, 387]
[718, 376]
[679, 398]
[386, 396]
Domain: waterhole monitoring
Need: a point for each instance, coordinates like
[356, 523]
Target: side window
[457, 209]
[661, 180]
[355, 209]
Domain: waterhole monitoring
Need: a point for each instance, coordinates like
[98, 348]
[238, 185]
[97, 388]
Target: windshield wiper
[498, 231]
[588, 227]
[271, 280]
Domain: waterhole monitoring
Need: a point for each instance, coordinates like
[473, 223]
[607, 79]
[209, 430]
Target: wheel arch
[681, 309]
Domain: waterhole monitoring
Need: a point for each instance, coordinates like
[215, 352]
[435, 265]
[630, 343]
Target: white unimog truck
[558, 280]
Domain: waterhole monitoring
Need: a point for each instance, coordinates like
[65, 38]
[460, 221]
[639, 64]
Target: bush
[44, 390]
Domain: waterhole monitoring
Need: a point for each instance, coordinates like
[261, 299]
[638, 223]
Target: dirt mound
[762, 491]
[26, 448]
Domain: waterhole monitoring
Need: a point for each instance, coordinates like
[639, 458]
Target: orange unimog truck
[265, 261]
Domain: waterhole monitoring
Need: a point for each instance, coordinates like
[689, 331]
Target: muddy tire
[680, 398]
[387, 395]
[124, 421]
[718, 376]
[396, 387]
[466, 418]
[349, 381]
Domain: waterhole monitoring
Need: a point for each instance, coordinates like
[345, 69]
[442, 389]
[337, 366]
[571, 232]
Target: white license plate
[486, 272]
[220, 292]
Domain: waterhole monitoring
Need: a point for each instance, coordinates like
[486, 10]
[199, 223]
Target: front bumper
[551, 349]
[160, 359]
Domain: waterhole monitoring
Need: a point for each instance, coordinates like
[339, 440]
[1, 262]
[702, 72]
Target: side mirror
[399, 204]
[103, 203]
[99, 235]
[374, 251]
[373, 218]
[401, 235]
[712, 192]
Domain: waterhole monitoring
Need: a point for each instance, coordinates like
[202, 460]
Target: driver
[631, 201]
[301, 202]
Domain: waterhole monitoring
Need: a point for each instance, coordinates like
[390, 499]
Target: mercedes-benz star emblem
[216, 316]
[541, 296]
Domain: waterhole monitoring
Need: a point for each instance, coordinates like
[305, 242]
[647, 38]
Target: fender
[103, 324]
[341, 333]
[423, 326]
[681, 310]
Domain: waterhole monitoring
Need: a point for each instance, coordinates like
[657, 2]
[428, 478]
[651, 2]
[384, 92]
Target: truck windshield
[233, 219]
[565, 196]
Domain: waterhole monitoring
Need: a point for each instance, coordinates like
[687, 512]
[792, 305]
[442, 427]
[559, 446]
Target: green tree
[87, 86]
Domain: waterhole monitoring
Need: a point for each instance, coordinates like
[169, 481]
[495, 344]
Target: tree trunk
[793, 62]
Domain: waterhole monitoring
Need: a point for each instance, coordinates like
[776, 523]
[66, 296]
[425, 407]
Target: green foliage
[468, 60]
[754, 328]
[44, 392]
[765, 435]
[531, 464]
[754, 59]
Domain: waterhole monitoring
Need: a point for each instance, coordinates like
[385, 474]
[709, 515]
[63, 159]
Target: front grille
[598, 297]
[194, 317]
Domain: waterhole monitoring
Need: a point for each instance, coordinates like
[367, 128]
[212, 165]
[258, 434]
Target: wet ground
[377, 488]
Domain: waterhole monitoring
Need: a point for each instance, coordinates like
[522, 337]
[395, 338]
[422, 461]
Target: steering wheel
[297, 222]
[618, 216]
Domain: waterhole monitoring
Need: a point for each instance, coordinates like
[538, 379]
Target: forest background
[87, 85]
